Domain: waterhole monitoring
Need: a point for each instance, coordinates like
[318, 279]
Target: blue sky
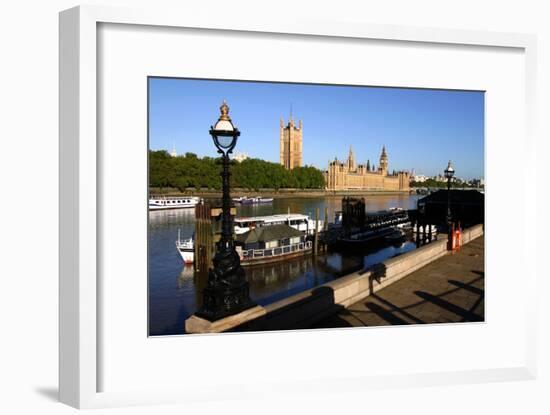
[421, 129]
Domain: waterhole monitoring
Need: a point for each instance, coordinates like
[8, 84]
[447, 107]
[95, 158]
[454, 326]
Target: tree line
[191, 171]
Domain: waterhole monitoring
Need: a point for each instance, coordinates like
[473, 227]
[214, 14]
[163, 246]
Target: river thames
[175, 290]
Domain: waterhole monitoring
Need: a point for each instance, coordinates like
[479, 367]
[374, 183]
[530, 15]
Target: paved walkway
[450, 289]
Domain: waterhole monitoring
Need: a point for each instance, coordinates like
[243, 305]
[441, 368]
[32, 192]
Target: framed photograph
[308, 191]
[311, 241]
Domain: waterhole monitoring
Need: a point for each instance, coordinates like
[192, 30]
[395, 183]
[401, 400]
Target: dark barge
[359, 230]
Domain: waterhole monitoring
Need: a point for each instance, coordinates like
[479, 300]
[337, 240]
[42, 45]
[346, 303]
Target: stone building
[290, 144]
[240, 157]
[349, 176]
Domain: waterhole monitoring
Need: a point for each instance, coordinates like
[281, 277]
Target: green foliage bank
[190, 171]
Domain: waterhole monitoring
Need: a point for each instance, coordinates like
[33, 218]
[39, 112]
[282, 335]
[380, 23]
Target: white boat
[295, 220]
[162, 202]
[243, 200]
[186, 248]
[242, 225]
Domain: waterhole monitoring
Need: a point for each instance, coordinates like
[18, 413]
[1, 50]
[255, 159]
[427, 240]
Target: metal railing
[278, 251]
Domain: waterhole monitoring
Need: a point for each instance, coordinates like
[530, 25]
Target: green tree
[191, 171]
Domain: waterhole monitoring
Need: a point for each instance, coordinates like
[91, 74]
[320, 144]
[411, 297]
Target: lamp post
[449, 173]
[227, 291]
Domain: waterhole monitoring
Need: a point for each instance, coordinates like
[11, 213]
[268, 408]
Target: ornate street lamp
[449, 173]
[227, 291]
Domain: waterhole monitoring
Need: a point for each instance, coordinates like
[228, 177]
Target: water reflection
[174, 289]
[163, 218]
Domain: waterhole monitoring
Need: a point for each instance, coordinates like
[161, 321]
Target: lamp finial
[224, 110]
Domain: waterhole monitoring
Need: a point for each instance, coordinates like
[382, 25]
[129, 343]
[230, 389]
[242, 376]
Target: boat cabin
[297, 221]
[266, 237]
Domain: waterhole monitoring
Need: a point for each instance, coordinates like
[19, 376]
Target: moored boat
[295, 226]
[264, 200]
[361, 240]
[252, 200]
[270, 244]
[378, 228]
[298, 221]
[172, 202]
[186, 248]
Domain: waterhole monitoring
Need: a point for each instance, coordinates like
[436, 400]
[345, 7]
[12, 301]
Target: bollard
[316, 232]
[425, 235]
[325, 227]
[196, 261]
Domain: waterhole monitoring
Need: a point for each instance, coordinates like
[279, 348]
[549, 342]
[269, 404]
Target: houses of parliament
[341, 175]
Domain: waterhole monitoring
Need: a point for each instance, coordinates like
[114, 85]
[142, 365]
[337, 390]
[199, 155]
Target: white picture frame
[80, 168]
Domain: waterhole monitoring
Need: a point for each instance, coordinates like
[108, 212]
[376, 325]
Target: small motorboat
[265, 199]
[255, 200]
[186, 248]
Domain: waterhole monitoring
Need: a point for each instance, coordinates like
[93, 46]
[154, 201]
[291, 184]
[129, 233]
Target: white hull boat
[186, 248]
[243, 200]
[302, 223]
[163, 203]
